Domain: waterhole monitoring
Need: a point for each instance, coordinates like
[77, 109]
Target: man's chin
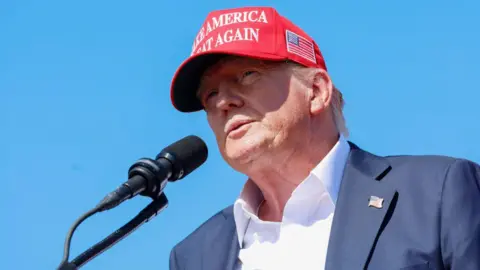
[241, 153]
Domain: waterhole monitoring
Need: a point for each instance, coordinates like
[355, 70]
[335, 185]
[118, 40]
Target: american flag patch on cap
[300, 46]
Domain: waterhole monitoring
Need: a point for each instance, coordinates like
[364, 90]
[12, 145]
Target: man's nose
[228, 97]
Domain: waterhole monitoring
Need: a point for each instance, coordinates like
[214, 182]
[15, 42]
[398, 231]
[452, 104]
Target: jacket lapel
[356, 225]
[233, 253]
[222, 250]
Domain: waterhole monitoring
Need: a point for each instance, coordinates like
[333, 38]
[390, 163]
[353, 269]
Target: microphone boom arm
[145, 215]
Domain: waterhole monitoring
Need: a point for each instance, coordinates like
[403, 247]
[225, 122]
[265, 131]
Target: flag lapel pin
[375, 202]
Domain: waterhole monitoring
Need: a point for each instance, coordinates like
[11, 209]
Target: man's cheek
[219, 134]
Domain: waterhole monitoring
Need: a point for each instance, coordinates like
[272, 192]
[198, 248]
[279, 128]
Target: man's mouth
[236, 125]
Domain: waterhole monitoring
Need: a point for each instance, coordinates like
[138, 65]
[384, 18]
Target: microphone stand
[145, 215]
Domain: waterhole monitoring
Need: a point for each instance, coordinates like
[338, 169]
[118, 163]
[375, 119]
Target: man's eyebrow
[260, 64]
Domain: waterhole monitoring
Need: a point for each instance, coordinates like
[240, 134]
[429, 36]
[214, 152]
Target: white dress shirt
[300, 240]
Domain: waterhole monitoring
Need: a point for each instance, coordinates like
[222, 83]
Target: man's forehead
[233, 62]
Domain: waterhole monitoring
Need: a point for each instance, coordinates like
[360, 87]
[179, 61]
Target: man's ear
[322, 89]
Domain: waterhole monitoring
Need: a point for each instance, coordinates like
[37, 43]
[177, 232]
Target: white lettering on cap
[232, 34]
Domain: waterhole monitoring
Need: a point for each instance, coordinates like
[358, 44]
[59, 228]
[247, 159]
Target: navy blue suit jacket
[430, 219]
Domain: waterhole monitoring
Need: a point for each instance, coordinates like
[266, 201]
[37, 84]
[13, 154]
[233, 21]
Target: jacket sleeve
[460, 216]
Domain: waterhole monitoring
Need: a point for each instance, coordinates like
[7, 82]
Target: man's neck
[279, 178]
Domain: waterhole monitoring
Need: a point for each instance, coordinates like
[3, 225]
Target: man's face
[252, 108]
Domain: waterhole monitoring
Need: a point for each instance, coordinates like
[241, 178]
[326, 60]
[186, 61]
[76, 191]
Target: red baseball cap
[255, 32]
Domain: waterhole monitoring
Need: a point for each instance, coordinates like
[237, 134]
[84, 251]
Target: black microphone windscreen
[185, 155]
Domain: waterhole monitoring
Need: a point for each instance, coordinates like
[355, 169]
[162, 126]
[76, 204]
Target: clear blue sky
[84, 92]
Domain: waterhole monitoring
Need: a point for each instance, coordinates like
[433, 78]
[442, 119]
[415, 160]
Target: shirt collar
[327, 175]
[330, 169]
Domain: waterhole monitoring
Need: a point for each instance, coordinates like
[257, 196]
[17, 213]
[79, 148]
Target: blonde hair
[337, 101]
[337, 109]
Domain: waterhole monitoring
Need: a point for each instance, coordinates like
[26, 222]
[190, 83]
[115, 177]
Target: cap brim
[187, 78]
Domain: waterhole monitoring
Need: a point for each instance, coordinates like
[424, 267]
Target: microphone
[148, 177]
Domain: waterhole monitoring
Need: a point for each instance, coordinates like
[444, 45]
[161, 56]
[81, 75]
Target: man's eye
[210, 94]
[248, 76]
[248, 72]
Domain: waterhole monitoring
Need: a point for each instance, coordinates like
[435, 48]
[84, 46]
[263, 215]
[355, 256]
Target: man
[313, 200]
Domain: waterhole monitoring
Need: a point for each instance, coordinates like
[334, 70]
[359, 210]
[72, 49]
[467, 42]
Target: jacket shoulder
[421, 170]
[438, 161]
[428, 172]
[431, 163]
